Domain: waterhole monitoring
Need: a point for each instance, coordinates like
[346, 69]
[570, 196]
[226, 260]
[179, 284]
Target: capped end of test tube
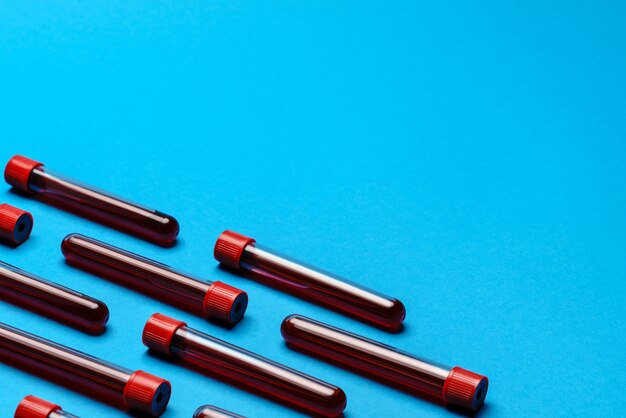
[159, 331]
[465, 389]
[225, 303]
[229, 247]
[34, 407]
[15, 224]
[18, 170]
[147, 393]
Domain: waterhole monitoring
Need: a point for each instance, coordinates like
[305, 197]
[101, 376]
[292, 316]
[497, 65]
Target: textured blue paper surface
[468, 158]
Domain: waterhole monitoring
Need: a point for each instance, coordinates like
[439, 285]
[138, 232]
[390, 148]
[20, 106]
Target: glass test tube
[52, 300]
[34, 407]
[208, 299]
[234, 364]
[243, 253]
[107, 382]
[455, 386]
[210, 411]
[32, 177]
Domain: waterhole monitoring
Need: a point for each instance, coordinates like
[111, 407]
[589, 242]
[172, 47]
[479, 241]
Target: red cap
[18, 170]
[465, 389]
[159, 331]
[147, 393]
[34, 407]
[15, 224]
[229, 247]
[225, 303]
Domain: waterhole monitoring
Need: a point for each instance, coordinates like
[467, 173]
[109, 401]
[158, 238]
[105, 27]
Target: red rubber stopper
[465, 389]
[159, 331]
[15, 224]
[147, 393]
[18, 170]
[34, 407]
[225, 303]
[229, 247]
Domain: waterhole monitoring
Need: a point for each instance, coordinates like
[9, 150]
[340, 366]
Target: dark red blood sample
[454, 386]
[210, 411]
[208, 299]
[115, 385]
[15, 224]
[34, 407]
[52, 300]
[32, 177]
[234, 364]
[289, 275]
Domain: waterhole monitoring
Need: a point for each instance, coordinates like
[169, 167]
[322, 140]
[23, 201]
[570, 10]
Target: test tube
[234, 364]
[34, 407]
[137, 391]
[451, 385]
[31, 176]
[210, 411]
[15, 224]
[244, 254]
[52, 300]
[215, 300]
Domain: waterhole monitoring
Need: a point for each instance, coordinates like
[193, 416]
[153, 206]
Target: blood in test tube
[15, 224]
[52, 300]
[214, 300]
[120, 387]
[34, 407]
[31, 176]
[244, 254]
[451, 385]
[210, 411]
[244, 368]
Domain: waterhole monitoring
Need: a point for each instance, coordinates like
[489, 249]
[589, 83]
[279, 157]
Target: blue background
[467, 157]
